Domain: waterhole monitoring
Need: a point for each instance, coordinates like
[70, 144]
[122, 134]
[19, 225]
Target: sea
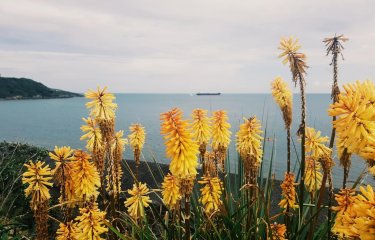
[56, 122]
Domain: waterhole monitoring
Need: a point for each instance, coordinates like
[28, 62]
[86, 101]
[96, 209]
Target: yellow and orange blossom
[86, 177]
[101, 105]
[91, 223]
[180, 146]
[345, 212]
[137, 140]
[355, 112]
[201, 126]
[211, 194]
[93, 135]
[284, 98]
[278, 231]
[68, 231]
[137, 136]
[38, 179]
[138, 201]
[288, 192]
[171, 191]
[220, 130]
[249, 143]
[315, 144]
[313, 174]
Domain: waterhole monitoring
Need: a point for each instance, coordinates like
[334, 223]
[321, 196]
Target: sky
[175, 46]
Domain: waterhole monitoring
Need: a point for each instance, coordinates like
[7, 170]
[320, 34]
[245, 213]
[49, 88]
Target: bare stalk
[302, 132]
[187, 216]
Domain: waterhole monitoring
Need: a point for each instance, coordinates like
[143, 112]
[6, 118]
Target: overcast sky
[180, 46]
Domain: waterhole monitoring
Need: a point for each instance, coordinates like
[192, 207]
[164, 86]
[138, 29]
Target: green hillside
[23, 88]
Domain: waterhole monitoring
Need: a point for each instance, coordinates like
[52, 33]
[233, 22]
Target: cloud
[179, 46]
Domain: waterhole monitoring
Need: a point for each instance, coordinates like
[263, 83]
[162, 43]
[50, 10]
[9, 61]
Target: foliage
[15, 214]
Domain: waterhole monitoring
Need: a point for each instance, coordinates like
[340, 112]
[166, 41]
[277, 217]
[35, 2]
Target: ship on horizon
[208, 94]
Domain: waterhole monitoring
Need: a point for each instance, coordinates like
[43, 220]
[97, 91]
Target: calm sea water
[57, 121]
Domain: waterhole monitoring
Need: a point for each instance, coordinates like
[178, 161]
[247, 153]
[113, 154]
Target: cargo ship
[208, 94]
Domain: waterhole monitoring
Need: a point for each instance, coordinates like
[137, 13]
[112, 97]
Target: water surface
[53, 122]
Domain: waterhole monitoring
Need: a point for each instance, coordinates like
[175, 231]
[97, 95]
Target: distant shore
[37, 97]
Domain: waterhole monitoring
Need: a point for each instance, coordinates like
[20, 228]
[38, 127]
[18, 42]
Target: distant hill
[23, 88]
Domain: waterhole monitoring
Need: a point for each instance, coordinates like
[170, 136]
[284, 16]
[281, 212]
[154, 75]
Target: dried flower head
[38, 178]
[288, 192]
[296, 60]
[138, 201]
[220, 130]
[211, 194]
[171, 191]
[313, 174]
[117, 149]
[284, 98]
[315, 144]
[86, 177]
[91, 223]
[179, 144]
[210, 165]
[102, 106]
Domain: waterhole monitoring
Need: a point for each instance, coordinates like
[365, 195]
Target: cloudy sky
[180, 46]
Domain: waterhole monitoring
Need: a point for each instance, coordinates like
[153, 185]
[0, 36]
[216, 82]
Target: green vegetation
[15, 214]
[23, 88]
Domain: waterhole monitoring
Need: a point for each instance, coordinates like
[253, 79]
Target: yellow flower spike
[372, 170]
[368, 153]
[288, 192]
[355, 112]
[313, 174]
[289, 52]
[180, 146]
[92, 134]
[102, 106]
[364, 223]
[278, 231]
[86, 177]
[62, 156]
[91, 223]
[138, 201]
[201, 128]
[355, 217]
[68, 231]
[315, 144]
[220, 130]
[137, 139]
[345, 200]
[38, 178]
[284, 98]
[171, 191]
[249, 143]
[211, 194]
